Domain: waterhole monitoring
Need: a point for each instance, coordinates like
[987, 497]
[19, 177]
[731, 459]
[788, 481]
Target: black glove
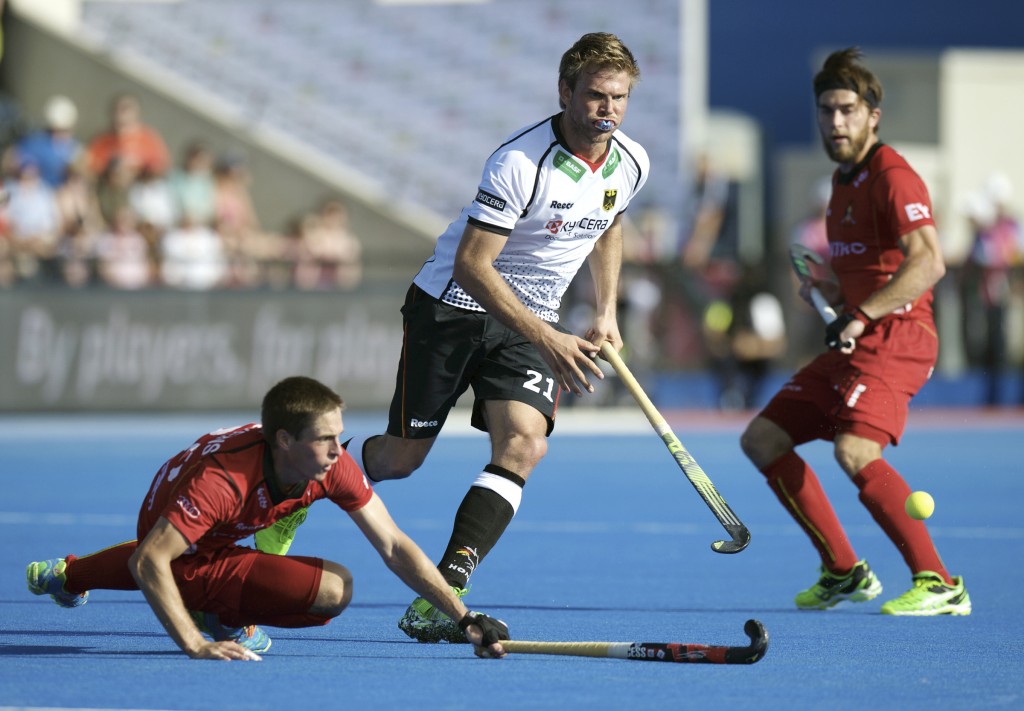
[494, 630]
[833, 330]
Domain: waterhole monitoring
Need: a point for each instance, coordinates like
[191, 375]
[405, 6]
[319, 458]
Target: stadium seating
[413, 96]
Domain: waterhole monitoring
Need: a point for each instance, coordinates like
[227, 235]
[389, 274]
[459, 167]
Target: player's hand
[571, 359]
[227, 651]
[600, 335]
[485, 633]
[841, 335]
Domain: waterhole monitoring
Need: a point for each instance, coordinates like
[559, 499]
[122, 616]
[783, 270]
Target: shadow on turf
[24, 650]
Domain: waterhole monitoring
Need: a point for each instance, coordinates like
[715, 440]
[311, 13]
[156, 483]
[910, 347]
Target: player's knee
[393, 469]
[855, 453]
[525, 450]
[397, 458]
[762, 444]
[534, 449]
[335, 591]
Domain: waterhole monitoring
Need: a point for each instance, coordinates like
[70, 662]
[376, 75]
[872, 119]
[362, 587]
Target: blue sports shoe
[47, 578]
[251, 637]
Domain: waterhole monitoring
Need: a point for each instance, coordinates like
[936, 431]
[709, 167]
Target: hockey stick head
[758, 645]
[740, 540]
[799, 255]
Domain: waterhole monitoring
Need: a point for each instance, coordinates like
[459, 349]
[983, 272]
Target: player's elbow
[140, 565]
[465, 276]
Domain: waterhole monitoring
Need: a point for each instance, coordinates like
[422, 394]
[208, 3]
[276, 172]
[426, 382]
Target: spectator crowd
[115, 211]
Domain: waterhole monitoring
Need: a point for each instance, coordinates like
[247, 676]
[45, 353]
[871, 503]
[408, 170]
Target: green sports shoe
[859, 585]
[931, 596]
[47, 578]
[425, 623]
[277, 538]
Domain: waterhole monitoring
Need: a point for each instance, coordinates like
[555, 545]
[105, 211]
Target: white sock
[508, 490]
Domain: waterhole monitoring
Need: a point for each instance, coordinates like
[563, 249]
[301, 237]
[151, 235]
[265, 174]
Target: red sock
[104, 570]
[800, 492]
[884, 493]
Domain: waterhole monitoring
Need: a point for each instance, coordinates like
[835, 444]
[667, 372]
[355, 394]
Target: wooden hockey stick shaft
[688, 465]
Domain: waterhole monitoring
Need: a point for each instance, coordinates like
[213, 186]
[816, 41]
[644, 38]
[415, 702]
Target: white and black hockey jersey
[551, 205]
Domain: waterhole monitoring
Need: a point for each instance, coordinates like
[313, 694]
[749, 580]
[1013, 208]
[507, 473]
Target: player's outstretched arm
[406, 560]
[150, 565]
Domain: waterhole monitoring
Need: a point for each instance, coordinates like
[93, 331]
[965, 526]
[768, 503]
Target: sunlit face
[598, 96]
[311, 455]
[847, 125]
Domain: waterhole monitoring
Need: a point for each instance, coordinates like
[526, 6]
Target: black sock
[482, 518]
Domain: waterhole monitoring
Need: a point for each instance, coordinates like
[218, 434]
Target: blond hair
[596, 51]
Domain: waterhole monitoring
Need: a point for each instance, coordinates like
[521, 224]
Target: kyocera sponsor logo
[587, 228]
[845, 249]
[485, 198]
[422, 423]
[190, 509]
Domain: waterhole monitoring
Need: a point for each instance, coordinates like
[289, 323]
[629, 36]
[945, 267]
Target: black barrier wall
[162, 350]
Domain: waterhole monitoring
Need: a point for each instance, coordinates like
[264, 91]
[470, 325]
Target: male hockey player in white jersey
[483, 310]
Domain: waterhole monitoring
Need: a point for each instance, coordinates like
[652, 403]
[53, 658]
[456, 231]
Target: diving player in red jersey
[224, 488]
[885, 254]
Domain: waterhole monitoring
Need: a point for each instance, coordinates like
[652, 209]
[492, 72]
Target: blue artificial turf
[611, 544]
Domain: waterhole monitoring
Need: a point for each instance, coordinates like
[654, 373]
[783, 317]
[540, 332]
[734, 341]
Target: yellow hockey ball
[920, 505]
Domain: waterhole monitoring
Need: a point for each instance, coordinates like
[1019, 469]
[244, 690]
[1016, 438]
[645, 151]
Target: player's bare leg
[387, 457]
[335, 591]
[518, 442]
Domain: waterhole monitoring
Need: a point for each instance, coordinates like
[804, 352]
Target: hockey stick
[701, 482]
[654, 651]
[799, 255]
